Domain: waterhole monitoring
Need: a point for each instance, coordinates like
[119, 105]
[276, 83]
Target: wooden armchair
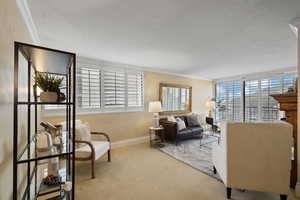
[92, 150]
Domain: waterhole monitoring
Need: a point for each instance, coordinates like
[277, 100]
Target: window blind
[258, 104]
[252, 100]
[110, 89]
[268, 105]
[229, 101]
[89, 88]
[135, 86]
[114, 89]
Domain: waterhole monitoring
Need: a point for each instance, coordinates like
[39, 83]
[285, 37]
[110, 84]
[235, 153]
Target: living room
[169, 99]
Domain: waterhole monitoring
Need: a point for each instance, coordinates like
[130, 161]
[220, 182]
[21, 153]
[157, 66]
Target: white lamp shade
[210, 104]
[155, 106]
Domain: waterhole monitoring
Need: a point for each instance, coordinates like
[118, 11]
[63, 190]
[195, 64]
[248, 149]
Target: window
[250, 100]
[135, 89]
[109, 90]
[89, 88]
[101, 90]
[229, 101]
[114, 86]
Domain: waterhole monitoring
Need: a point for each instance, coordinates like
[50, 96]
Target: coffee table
[214, 135]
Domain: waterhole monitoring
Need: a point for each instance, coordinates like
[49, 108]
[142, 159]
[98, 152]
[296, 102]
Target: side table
[156, 131]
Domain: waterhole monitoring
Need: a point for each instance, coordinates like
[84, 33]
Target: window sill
[62, 112]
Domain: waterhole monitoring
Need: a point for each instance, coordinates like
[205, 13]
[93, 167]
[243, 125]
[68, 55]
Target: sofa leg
[108, 156]
[93, 168]
[283, 197]
[215, 170]
[228, 193]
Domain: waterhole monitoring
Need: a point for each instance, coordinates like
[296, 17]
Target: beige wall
[298, 118]
[12, 28]
[123, 126]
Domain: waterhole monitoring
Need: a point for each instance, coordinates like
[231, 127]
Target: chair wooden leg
[215, 170]
[108, 156]
[228, 193]
[283, 197]
[93, 168]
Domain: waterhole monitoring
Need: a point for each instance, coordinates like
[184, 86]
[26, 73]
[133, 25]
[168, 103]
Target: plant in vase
[50, 84]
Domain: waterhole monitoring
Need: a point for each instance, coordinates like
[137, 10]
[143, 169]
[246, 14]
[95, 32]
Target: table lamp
[210, 104]
[155, 108]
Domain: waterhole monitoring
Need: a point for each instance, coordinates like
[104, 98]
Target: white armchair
[88, 149]
[254, 156]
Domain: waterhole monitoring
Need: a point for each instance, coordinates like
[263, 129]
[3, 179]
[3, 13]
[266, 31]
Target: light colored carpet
[143, 173]
[191, 153]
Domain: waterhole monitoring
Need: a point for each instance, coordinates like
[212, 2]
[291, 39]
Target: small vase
[48, 97]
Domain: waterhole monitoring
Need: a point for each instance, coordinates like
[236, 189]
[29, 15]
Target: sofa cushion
[192, 120]
[180, 124]
[183, 117]
[185, 131]
[101, 147]
[195, 130]
[171, 119]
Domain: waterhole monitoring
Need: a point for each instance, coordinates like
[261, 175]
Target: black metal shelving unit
[26, 159]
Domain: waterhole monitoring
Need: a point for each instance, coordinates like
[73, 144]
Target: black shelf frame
[32, 106]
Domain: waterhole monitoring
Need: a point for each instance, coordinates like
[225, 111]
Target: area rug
[191, 153]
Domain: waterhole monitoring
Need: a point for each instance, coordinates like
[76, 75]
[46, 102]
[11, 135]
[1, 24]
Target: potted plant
[50, 85]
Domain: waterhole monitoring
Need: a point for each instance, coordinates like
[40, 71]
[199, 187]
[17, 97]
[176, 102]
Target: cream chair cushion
[101, 147]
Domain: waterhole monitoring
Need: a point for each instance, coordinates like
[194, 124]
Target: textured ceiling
[203, 38]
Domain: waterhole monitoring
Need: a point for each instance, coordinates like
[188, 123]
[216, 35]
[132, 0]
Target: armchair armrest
[103, 134]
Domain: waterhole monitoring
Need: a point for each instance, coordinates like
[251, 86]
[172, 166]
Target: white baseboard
[124, 143]
[297, 189]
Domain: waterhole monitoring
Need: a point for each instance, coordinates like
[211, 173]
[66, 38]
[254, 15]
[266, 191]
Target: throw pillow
[82, 132]
[193, 120]
[180, 124]
[171, 119]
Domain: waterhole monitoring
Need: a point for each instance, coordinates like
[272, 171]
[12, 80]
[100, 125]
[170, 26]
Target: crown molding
[295, 25]
[95, 62]
[26, 14]
[265, 74]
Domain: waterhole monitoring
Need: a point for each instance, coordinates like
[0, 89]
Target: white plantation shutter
[135, 88]
[258, 104]
[268, 105]
[252, 97]
[114, 86]
[229, 97]
[89, 88]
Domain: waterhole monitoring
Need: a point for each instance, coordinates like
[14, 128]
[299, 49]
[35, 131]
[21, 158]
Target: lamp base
[155, 120]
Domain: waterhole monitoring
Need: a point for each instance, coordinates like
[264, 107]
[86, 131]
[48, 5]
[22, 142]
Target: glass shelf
[44, 103]
[55, 151]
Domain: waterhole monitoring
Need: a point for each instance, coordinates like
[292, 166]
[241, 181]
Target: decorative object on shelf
[210, 104]
[44, 141]
[53, 163]
[50, 84]
[52, 180]
[67, 186]
[155, 108]
[56, 133]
